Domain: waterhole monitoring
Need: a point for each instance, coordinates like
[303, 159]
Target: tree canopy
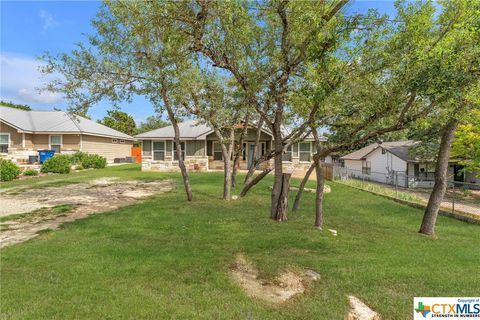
[120, 121]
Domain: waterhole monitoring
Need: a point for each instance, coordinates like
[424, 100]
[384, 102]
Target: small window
[182, 146]
[159, 150]
[287, 156]
[366, 167]
[4, 142]
[56, 143]
[384, 151]
[217, 151]
[114, 141]
[121, 141]
[305, 151]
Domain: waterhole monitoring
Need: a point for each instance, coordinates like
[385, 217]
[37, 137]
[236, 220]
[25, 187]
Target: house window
[4, 142]
[217, 151]
[263, 147]
[182, 146]
[244, 152]
[159, 150]
[287, 156]
[121, 141]
[366, 169]
[114, 140]
[384, 151]
[305, 151]
[56, 143]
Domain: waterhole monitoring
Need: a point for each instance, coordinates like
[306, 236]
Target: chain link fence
[460, 196]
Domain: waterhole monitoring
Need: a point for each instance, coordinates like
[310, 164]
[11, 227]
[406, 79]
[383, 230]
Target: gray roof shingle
[56, 122]
[398, 148]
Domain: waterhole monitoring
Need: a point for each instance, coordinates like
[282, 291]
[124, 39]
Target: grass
[39, 213]
[166, 258]
[375, 187]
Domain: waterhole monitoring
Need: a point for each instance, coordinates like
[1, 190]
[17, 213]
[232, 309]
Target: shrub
[78, 157]
[8, 170]
[30, 172]
[57, 164]
[93, 161]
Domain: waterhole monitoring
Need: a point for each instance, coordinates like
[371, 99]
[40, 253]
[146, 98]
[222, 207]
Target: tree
[264, 46]
[466, 144]
[15, 105]
[128, 55]
[214, 101]
[120, 121]
[151, 123]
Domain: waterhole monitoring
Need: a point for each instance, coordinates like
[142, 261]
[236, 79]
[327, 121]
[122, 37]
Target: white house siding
[381, 167]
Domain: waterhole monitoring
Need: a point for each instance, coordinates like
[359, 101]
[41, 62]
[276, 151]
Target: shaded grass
[166, 258]
[39, 213]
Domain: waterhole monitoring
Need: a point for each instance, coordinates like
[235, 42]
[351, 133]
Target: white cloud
[20, 81]
[48, 20]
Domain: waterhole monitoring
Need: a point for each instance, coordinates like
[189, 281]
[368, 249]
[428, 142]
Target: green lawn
[166, 258]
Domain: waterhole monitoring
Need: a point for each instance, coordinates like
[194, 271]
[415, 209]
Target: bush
[30, 172]
[78, 157]
[57, 164]
[93, 161]
[8, 170]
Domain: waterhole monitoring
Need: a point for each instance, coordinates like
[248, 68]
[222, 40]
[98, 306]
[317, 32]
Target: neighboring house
[202, 151]
[391, 162]
[23, 133]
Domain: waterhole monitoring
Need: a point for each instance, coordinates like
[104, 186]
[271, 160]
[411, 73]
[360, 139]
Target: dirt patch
[360, 311]
[97, 196]
[284, 287]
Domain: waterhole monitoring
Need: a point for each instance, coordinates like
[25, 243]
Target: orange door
[137, 154]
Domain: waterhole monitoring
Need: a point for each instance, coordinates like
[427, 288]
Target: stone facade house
[202, 151]
[23, 133]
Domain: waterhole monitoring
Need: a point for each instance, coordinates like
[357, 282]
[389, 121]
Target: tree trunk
[181, 163]
[227, 154]
[254, 181]
[302, 187]
[319, 194]
[239, 151]
[227, 175]
[282, 203]
[440, 186]
[251, 170]
[278, 209]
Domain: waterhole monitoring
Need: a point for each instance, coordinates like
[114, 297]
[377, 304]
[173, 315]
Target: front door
[251, 147]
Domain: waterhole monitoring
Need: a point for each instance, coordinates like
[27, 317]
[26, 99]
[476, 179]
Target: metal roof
[190, 129]
[194, 129]
[398, 148]
[56, 122]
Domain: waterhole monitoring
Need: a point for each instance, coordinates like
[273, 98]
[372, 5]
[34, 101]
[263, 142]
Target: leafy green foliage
[151, 123]
[85, 160]
[8, 170]
[120, 121]
[94, 161]
[466, 145]
[57, 164]
[15, 105]
[30, 172]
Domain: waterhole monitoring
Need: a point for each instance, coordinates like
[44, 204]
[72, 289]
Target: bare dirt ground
[96, 196]
[284, 287]
[360, 311]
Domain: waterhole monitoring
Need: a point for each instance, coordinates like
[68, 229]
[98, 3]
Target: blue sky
[29, 28]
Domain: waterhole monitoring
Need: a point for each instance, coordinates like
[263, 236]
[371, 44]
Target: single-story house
[202, 151]
[392, 162]
[23, 133]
